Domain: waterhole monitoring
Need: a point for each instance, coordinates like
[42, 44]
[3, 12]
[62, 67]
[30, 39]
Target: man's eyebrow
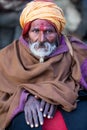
[34, 28]
[46, 28]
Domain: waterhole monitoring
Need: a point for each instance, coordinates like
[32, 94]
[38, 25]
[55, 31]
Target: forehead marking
[42, 27]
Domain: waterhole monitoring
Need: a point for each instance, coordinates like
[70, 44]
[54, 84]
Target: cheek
[32, 37]
[52, 38]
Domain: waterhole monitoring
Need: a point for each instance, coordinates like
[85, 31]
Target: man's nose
[42, 37]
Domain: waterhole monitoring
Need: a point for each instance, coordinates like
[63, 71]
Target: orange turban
[43, 10]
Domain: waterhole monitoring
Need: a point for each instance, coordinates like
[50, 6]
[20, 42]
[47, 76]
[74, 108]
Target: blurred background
[75, 13]
[76, 17]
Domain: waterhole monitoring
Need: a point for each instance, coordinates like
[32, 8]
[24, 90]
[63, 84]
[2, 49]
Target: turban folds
[43, 10]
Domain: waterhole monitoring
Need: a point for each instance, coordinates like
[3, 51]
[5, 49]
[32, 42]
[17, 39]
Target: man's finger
[46, 109]
[42, 104]
[30, 118]
[40, 116]
[52, 111]
[26, 116]
[35, 118]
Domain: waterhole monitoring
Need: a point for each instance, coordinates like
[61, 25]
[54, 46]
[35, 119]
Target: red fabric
[26, 29]
[57, 123]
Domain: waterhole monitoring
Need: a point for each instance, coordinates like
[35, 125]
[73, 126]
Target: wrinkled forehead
[42, 24]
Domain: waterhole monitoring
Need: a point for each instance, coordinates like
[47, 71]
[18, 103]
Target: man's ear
[26, 37]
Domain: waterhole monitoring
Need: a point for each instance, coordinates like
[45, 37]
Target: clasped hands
[36, 109]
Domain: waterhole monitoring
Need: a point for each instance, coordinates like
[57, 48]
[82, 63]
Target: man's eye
[49, 31]
[35, 30]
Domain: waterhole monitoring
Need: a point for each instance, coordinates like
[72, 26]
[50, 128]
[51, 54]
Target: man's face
[42, 38]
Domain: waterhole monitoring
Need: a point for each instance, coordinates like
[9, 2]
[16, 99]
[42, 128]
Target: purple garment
[83, 80]
[20, 108]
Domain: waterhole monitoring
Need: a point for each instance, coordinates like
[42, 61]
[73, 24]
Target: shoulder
[77, 43]
[9, 49]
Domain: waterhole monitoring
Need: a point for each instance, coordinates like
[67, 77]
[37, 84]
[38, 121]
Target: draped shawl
[57, 80]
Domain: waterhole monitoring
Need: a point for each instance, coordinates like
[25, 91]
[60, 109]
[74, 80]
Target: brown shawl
[56, 80]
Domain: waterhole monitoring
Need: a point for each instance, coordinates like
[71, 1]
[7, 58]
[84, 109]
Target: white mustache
[42, 50]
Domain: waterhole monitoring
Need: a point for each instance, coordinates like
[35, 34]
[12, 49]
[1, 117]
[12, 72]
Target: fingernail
[44, 115]
[41, 109]
[41, 123]
[48, 116]
[36, 125]
[36, 96]
[27, 123]
[32, 126]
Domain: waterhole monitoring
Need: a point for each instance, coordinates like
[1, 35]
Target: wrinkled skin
[36, 109]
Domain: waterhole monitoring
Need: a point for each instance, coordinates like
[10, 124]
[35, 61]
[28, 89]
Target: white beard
[42, 50]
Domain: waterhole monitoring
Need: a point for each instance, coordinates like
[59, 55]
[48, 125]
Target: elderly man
[43, 74]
